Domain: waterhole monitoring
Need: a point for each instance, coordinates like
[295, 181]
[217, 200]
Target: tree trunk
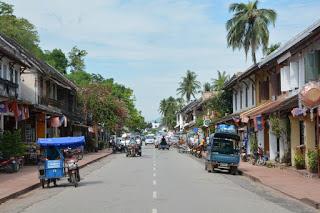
[254, 59]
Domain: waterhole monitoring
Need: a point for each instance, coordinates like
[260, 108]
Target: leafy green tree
[81, 78]
[248, 28]
[106, 110]
[19, 29]
[76, 59]
[163, 106]
[57, 59]
[219, 82]
[207, 87]
[271, 48]
[189, 86]
[168, 108]
[97, 78]
[221, 103]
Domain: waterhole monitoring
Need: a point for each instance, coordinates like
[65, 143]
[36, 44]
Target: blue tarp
[62, 142]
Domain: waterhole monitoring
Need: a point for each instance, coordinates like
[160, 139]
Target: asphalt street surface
[157, 182]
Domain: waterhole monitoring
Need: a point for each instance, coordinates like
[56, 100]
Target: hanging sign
[310, 95]
[298, 112]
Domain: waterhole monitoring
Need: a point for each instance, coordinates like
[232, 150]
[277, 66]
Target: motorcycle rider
[163, 141]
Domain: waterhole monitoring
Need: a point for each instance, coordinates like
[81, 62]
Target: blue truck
[223, 149]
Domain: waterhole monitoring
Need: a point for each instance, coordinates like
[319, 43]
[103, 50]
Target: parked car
[150, 139]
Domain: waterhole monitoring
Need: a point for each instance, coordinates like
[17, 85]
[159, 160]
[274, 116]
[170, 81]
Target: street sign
[206, 123]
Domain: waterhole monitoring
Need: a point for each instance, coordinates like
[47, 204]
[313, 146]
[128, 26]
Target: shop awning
[268, 107]
[46, 109]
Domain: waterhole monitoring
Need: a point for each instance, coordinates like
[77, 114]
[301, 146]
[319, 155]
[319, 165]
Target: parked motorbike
[73, 171]
[11, 165]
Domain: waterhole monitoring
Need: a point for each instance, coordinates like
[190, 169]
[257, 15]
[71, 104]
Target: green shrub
[11, 144]
[299, 159]
[313, 160]
[253, 143]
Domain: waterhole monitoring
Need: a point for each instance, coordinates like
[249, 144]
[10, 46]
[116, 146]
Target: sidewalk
[286, 181]
[15, 184]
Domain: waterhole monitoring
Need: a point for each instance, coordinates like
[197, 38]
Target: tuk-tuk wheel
[42, 182]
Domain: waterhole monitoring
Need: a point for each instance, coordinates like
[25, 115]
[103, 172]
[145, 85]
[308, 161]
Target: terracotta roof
[268, 107]
[227, 118]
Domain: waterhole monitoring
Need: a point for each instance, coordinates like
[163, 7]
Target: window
[301, 130]
[16, 73]
[53, 91]
[236, 101]
[5, 70]
[241, 93]
[312, 66]
[264, 90]
[11, 71]
[247, 96]
[252, 94]
[294, 75]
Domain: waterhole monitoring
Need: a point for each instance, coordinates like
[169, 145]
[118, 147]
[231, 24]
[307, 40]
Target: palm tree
[168, 108]
[163, 107]
[189, 86]
[180, 103]
[219, 82]
[248, 28]
[271, 49]
[207, 87]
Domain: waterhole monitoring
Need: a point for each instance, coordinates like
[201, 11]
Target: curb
[306, 201]
[37, 185]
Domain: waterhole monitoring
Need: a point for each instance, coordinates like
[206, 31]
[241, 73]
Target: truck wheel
[233, 171]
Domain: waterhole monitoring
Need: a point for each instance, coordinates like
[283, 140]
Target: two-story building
[51, 97]
[12, 107]
[277, 81]
[298, 63]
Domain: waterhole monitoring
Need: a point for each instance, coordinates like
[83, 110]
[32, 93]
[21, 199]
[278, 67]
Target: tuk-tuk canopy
[62, 142]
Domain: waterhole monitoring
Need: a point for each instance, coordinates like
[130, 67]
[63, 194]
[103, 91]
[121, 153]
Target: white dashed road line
[154, 211]
[154, 182]
[154, 195]
[154, 174]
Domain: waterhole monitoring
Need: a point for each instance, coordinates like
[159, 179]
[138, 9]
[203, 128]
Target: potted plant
[313, 160]
[299, 161]
[11, 144]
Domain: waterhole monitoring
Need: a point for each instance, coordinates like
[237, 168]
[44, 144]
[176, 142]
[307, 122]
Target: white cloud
[152, 43]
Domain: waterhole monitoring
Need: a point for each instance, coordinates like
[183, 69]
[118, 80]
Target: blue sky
[149, 44]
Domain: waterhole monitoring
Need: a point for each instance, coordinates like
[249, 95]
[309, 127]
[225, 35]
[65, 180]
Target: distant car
[150, 139]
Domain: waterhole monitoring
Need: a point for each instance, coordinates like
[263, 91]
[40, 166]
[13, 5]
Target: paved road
[160, 181]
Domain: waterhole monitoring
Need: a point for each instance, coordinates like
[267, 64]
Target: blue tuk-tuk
[223, 149]
[53, 166]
